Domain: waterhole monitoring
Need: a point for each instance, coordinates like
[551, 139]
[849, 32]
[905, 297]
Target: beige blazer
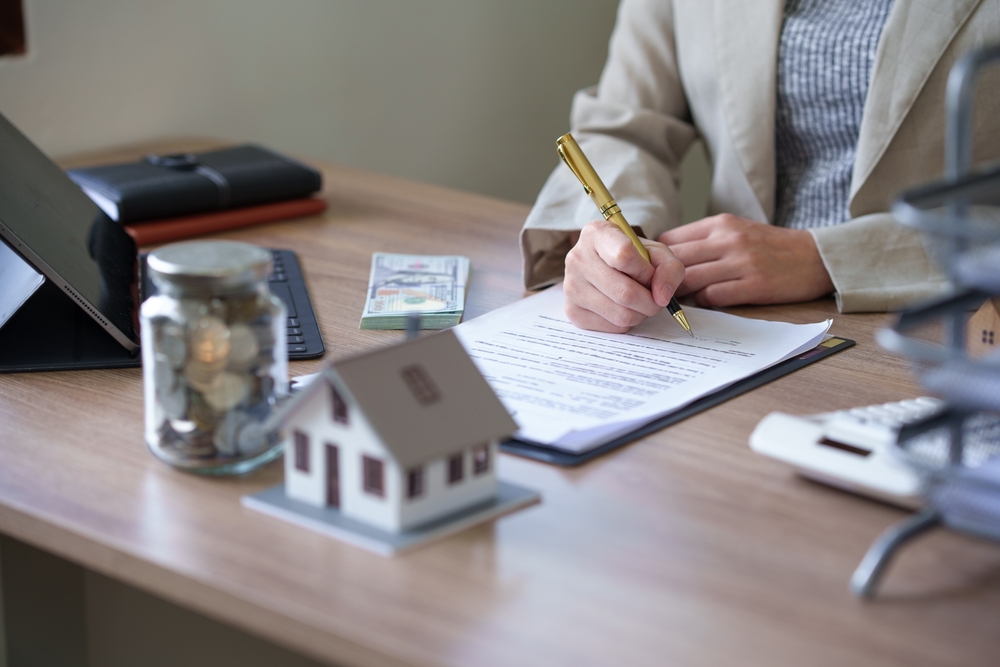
[681, 69]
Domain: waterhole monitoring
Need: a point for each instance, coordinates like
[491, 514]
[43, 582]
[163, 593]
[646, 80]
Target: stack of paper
[575, 390]
[432, 285]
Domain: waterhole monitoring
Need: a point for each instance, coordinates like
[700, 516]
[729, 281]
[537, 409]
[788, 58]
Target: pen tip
[690, 333]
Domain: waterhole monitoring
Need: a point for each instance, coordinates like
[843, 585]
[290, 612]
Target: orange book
[174, 229]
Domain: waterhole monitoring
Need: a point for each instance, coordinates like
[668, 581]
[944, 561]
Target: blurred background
[469, 94]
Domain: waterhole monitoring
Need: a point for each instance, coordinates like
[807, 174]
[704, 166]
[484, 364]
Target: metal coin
[200, 412]
[164, 378]
[182, 426]
[226, 434]
[172, 344]
[227, 391]
[243, 345]
[175, 403]
[210, 341]
[202, 376]
[198, 445]
[252, 438]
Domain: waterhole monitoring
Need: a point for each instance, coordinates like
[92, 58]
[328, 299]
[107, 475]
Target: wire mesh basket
[956, 450]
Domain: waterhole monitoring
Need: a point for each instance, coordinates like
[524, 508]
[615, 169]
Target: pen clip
[572, 167]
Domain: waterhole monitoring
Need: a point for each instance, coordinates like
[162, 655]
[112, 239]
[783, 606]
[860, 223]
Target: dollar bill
[432, 285]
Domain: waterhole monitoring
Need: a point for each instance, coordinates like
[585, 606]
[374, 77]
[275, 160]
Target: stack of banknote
[433, 286]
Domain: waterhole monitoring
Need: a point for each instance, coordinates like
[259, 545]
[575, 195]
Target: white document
[575, 390]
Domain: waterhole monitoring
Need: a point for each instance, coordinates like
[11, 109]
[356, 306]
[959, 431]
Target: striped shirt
[825, 59]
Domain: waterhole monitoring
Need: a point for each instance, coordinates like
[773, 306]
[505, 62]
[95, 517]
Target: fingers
[721, 295]
[693, 231]
[691, 253]
[606, 277]
[585, 319]
[589, 308]
[617, 251]
[668, 273]
[700, 276]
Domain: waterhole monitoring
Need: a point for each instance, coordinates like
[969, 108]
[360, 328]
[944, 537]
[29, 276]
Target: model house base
[330, 521]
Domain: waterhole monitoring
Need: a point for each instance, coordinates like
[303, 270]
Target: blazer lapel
[746, 52]
[915, 36]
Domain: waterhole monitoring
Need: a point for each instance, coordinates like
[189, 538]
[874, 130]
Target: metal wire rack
[957, 449]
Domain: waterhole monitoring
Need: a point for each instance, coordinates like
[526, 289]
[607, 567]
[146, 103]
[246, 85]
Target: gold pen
[578, 163]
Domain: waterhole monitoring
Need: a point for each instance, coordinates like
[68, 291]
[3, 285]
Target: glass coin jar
[214, 357]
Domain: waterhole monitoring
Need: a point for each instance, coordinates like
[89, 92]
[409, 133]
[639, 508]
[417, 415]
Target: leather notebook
[175, 229]
[170, 186]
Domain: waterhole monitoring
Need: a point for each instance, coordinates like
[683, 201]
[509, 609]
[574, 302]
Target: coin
[227, 391]
[171, 344]
[252, 438]
[210, 341]
[182, 426]
[175, 403]
[202, 376]
[197, 445]
[243, 345]
[164, 378]
[225, 436]
[200, 412]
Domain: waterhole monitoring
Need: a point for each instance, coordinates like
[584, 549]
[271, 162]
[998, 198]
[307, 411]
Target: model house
[396, 438]
[982, 332]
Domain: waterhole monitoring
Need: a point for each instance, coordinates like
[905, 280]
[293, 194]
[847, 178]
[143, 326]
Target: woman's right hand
[610, 287]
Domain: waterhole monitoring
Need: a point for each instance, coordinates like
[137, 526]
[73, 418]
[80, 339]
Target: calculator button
[879, 412]
[929, 402]
[897, 410]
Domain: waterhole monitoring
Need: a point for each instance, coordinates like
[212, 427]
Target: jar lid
[209, 264]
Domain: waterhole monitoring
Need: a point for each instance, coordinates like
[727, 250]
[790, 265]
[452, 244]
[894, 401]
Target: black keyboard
[286, 283]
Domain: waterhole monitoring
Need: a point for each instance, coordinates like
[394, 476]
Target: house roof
[425, 398]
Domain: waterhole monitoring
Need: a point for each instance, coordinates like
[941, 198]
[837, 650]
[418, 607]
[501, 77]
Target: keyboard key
[293, 322]
[297, 348]
[296, 339]
[295, 332]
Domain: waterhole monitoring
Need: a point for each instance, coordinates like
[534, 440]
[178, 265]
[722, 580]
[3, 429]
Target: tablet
[49, 221]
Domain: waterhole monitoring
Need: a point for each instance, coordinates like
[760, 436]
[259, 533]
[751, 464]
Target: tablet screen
[56, 227]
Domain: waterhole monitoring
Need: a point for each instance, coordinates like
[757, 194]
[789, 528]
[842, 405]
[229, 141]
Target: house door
[332, 476]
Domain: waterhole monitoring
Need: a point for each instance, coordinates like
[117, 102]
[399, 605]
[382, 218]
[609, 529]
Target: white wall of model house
[393, 510]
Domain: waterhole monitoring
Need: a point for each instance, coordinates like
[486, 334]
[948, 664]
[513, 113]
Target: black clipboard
[564, 458]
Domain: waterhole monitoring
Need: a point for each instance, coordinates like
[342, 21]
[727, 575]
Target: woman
[816, 114]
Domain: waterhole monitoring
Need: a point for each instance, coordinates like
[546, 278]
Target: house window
[415, 482]
[420, 384]
[456, 468]
[11, 27]
[374, 476]
[339, 407]
[987, 337]
[301, 451]
[481, 459]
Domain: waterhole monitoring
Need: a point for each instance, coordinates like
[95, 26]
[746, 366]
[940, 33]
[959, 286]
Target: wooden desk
[685, 548]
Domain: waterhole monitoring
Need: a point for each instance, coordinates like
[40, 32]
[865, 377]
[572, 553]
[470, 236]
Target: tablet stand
[50, 332]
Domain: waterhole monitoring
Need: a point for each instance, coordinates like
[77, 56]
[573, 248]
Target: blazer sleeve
[635, 128]
[878, 265]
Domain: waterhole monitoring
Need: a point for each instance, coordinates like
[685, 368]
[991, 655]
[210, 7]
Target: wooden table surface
[685, 548]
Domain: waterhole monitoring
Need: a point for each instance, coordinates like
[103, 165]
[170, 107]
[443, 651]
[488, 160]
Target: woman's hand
[610, 287]
[731, 261]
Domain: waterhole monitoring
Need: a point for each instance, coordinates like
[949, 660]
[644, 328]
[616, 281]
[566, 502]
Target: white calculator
[849, 449]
